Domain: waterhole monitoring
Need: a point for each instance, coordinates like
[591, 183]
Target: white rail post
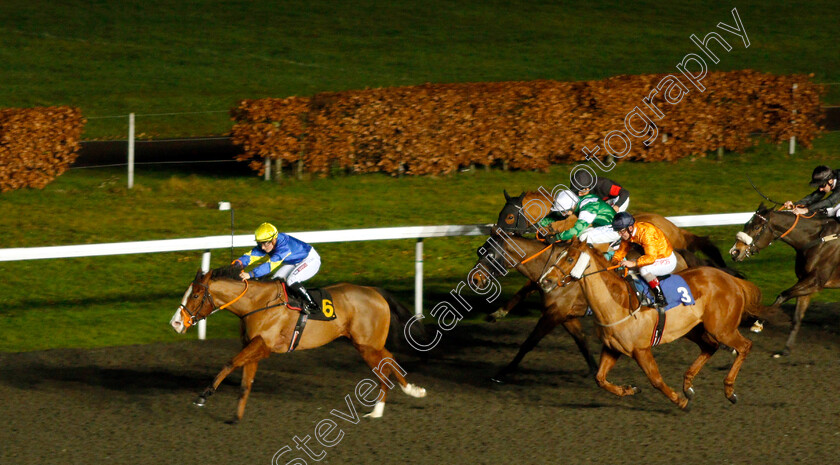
[418, 277]
[130, 150]
[205, 267]
[792, 147]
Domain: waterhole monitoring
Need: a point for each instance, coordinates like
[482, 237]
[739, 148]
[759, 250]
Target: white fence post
[205, 267]
[130, 150]
[792, 146]
[418, 277]
[267, 174]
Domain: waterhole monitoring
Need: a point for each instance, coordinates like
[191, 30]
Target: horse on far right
[817, 255]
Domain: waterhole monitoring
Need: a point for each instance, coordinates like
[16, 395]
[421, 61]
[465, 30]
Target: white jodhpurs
[599, 235]
[623, 206]
[301, 271]
[659, 268]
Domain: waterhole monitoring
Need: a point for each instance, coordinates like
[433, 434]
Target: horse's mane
[227, 271]
[818, 217]
[598, 256]
[526, 196]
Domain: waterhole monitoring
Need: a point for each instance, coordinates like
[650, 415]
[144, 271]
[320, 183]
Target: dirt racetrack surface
[132, 405]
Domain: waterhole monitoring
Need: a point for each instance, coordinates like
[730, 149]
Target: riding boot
[309, 305]
[659, 297]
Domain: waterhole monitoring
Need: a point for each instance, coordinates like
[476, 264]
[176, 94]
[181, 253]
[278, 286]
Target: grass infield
[128, 299]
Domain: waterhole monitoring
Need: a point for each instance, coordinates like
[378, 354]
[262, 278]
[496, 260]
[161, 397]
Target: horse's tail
[754, 308]
[703, 244]
[400, 317]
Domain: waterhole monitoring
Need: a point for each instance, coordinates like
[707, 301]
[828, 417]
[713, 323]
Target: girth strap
[660, 327]
[301, 323]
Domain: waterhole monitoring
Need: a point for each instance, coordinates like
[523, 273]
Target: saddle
[676, 292]
[325, 312]
[322, 298]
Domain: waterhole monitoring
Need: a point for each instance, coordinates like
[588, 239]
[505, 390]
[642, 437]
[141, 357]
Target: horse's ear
[198, 274]
[507, 197]
[522, 195]
[762, 207]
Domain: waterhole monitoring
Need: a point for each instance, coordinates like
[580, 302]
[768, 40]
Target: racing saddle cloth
[674, 287]
[676, 292]
[326, 310]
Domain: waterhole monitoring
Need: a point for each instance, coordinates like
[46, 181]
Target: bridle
[207, 296]
[750, 240]
[569, 278]
[521, 225]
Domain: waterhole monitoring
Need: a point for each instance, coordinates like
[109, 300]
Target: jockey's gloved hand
[553, 239]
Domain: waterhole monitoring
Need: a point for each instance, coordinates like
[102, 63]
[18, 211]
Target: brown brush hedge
[37, 145]
[439, 128]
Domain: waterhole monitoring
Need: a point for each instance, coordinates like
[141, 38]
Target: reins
[281, 304]
[224, 306]
[232, 301]
[630, 295]
[536, 255]
[262, 309]
[795, 222]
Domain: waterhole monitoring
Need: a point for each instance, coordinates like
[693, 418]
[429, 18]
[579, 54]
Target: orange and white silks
[652, 240]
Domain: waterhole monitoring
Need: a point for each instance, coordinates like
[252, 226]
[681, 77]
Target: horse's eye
[756, 227]
[195, 296]
[570, 259]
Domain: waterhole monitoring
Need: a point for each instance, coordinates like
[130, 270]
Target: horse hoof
[782, 353]
[733, 398]
[497, 380]
[199, 402]
[234, 421]
[633, 390]
[496, 316]
[413, 391]
[686, 407]
[757, 327]
[689, 393]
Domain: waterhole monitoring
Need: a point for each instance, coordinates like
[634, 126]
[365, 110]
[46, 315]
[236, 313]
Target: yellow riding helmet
[265, 232]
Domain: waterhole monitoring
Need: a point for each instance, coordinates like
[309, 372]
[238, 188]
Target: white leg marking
[413, 391]
[377, 410]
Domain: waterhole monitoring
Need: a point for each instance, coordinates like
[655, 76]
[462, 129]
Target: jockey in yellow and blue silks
[282, 256]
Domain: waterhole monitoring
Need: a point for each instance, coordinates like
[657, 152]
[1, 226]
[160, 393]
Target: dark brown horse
[561, 306]
[817, 263]
[520, 214]
[625, 327]
[363, 315]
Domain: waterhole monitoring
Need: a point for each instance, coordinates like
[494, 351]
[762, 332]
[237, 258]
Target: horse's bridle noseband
[207, 296]
[752, 248]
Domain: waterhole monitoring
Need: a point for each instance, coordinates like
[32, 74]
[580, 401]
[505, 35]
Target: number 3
[686, 297]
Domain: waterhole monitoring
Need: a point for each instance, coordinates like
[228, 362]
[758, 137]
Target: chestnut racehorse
[363, 315]
[519, 215]
[817, 260]
[560, 305]
[625, 327]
